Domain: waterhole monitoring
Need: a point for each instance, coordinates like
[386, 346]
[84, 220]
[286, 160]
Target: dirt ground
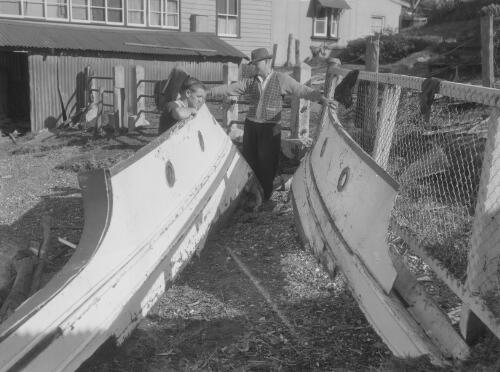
[213, 318]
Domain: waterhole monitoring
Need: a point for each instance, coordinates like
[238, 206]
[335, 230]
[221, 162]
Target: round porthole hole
[170, 173]
[323, 147]
[201, 141]
[343, 179]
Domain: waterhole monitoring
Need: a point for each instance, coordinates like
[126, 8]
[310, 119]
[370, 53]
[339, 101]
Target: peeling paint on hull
[144, 219]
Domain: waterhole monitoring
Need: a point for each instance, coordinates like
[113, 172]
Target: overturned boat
[342, 203]
[144, 219]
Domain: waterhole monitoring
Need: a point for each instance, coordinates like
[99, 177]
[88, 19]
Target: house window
[11, 7]
[136, 12]
[377, 24]
[228, 19]
[327, 26]
[34, 8]
[98, 10]
[114, 11]
[164, 13]
[102, 11]
[57, 9]
[80, 10]
[320, 26]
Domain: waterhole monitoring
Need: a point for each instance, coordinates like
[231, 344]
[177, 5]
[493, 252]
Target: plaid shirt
[266, 106]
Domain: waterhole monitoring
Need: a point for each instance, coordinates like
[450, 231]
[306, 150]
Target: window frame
[144, 11]
[163, 15]
[237, 16]
[377, 16]
[44, 4]
[107, 8]
[323, 19]
[56, 18]
[331, 16]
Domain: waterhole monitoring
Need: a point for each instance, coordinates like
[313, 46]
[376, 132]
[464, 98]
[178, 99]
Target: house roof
[402, 3]
[316, 7]
[339, 4]
[57, 36]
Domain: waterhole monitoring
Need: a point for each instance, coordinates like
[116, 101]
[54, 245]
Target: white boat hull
[342, 202]
[144, 219]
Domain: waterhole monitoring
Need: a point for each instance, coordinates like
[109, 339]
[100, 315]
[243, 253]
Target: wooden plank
[484, 255]
[289, 50]
[433, 320]
[487, 51]
[475, 302]
[471, 93]
[230, 73]
[298, 61]
[118, 96]
[300, 111]
[387, 122]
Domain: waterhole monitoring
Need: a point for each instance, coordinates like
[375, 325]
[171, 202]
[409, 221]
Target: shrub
[392, 48]
[452, 11]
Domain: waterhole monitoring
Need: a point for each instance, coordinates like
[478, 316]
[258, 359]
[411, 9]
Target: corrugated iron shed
[71, 37]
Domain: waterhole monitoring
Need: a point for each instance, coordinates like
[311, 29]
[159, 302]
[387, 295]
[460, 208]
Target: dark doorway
[14, 91]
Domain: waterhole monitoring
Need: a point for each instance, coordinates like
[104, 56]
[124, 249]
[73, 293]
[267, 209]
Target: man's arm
[291, 86]
[234, 89]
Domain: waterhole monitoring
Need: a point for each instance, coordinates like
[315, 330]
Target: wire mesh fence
[436, 157]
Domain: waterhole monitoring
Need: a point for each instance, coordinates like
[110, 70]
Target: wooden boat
[144, 219]
[342, 202]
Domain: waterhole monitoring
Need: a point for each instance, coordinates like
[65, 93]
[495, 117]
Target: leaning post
[138, 118]
[297, 52]
[289, 50]
[367, 98]
[300, 110]
[118, 95]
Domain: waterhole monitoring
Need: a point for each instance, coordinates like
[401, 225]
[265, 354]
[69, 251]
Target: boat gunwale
[368, 160]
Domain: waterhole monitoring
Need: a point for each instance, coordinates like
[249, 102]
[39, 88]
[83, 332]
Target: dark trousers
[261, 149]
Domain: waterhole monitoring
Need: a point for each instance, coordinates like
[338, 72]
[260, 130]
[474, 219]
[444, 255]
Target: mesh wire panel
[436, 160]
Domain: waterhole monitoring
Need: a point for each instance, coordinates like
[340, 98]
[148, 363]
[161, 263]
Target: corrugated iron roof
[45, 35]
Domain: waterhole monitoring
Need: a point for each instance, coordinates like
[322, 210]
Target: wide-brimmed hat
[259, 54]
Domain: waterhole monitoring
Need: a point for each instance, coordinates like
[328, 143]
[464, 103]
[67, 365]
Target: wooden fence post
[138, 119]
[487, 50]
[297, 52]
[118, 95]
[275, 52]
[332, 80]
[300, 110]
[294, 146]
[289, 51]
[90, 86]
[386, 124]
[483, 274]
[367, 98]
[230, 74]
[100, 107]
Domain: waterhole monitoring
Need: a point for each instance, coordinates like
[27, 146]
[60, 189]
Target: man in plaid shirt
[262, 133]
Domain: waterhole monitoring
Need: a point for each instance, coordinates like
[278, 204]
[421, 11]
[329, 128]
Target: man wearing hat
[262, 133]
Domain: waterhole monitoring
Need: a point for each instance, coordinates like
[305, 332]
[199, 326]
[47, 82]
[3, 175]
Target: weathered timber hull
[342, 203]
[144, 219]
